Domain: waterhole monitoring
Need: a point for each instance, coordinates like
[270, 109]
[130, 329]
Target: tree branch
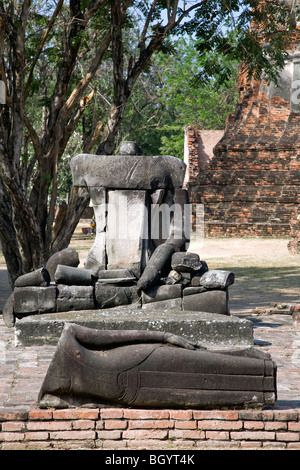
[174, 11]
[40, 48]
[72, 124]
[66, 67]
[91, 141]
[34, 138]
[79, 89]
[91, 10]
[146, 25]
[63, 230]
[171, 25]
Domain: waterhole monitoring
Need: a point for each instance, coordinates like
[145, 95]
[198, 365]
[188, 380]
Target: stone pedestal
[210, 329]
[96, 257]
[138, 204]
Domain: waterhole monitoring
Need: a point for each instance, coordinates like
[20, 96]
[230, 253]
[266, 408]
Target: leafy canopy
[254, 33]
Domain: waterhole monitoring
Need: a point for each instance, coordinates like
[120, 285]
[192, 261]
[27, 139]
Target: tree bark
[8, 236]
[70, 215]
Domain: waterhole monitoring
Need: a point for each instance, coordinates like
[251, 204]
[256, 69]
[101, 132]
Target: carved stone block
[8, 313]
[109, 295]
[33, 300]
[217, 279]
[96, 257]
[164, 292]
[128, 172]
[39, 277]
[67, 257]
[74, 297]
[211, 301]
[127, 230]
[167, 304]
[186, 262]
[72, 276]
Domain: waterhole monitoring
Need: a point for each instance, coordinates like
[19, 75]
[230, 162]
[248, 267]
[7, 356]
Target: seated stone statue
[140, 368]
[142, 215]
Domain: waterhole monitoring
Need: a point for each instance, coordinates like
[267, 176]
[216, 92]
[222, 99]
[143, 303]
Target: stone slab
[211, 329]
[126, 235]
[128, 172]
[96, 256]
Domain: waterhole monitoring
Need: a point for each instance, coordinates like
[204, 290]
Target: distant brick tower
[252, 184]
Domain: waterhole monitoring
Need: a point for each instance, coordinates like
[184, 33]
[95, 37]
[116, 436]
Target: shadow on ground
[263, 286]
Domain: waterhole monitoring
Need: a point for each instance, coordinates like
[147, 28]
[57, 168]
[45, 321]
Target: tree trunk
[8, 236]
[68, 218]
[123, 86]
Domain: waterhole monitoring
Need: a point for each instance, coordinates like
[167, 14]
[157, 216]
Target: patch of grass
[265, 271]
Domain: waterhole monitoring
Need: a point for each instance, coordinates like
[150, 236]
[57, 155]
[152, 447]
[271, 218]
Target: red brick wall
[199, 146]
[251, 185]
[119, 428]
[253, 193]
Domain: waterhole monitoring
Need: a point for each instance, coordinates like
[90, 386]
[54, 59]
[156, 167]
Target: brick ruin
[199, 149]
[250, 185]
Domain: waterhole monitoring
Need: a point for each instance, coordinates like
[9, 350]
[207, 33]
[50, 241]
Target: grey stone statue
[153, 369]
[142, 216]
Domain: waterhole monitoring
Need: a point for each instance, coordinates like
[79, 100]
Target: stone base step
[207, 328]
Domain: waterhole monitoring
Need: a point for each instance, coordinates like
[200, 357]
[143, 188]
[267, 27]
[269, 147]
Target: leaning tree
[52, 54]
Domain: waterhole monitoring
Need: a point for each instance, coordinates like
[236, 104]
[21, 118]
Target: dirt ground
[265, 271]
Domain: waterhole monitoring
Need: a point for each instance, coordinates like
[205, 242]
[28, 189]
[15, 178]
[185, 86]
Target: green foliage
[191, 81]
[170, 97]
[75, 85]
[252, 32]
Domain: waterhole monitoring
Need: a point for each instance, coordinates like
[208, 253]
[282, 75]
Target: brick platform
[117, 428]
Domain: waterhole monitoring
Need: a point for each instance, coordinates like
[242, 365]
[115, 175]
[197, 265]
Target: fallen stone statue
[140, 368]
